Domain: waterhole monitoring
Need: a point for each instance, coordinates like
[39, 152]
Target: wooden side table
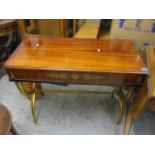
[75, 61]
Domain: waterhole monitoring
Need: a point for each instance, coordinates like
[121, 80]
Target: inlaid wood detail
[76, 61]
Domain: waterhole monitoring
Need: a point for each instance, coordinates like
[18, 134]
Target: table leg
[120, 110]
[128, 123]
[28, 86]
[33, 98]
[121, 98]
[13, 130]
[31, 94]
[117, 94]
[136, 109]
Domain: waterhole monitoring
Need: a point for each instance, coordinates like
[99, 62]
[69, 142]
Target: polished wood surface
[71, 60]
[28, 85]
[39, 52]
[90, 61]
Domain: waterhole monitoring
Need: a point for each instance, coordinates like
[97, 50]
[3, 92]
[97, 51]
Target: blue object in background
[121, 23]
[146, 44]
[153, 28]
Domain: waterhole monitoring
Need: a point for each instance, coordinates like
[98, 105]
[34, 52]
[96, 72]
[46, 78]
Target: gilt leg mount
[31, 94]
[121, 97]
[120, 109]
[33, 97]
[118, 95]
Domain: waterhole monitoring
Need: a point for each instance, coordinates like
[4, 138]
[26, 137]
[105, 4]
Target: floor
[72, 114]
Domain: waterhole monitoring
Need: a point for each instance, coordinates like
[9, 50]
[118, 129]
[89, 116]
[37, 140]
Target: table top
[73, 54]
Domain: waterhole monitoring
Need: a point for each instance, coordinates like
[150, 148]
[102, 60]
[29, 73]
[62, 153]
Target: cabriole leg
[30, 94]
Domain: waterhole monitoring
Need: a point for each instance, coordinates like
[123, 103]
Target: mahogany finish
[43, 58]
[87, 61]
[74, 77]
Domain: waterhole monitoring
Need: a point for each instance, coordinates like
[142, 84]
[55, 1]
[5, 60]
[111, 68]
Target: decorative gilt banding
[57, 76]
[92, 77]
[75, 76]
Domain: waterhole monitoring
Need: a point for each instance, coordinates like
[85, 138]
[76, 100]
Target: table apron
[74, 77]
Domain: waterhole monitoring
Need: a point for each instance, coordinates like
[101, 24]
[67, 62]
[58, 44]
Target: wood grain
[74, 77]
[94, 55]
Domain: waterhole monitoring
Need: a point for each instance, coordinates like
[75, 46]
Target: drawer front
[74, 77]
